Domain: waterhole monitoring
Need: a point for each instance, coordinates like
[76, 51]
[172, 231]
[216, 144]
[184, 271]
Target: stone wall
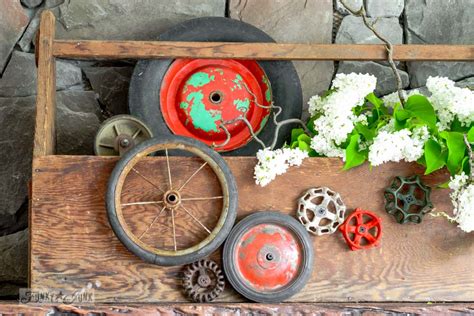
[90, 91]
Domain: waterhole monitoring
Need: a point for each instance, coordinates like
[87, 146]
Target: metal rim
[198, 96]
[268, 279]
[170, 200]
[116, 130]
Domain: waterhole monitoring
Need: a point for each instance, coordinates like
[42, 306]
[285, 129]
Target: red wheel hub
[269, 257]
[362, 230]
[197, 95]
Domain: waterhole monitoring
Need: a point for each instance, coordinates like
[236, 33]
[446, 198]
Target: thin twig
[361, 13]
[471, 159]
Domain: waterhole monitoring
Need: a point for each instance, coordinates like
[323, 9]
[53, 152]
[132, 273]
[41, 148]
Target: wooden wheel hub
[172, 199]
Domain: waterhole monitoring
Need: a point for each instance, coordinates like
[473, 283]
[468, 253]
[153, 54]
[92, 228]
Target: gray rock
[466, 83]
[352, 4]
[439, 22]
[76, 124]
[284, 21]
[19, 78]
[13, 21]
[111, 84]
[354, 31]
[127, 20]
[384, 8]
[31, 3]
[386, 82]
[13, 263]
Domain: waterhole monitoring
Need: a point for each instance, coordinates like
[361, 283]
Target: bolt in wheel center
[204, 280]
[216, 97]
[172, 198]
[362, 229]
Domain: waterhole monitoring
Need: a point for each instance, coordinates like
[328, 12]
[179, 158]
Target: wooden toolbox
[72, 245]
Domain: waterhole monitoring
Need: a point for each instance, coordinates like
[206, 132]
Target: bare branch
[371, 26]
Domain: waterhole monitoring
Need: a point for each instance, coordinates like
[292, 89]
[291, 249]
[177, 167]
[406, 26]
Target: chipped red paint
[269, 257]
[362, 230]
[189, 109]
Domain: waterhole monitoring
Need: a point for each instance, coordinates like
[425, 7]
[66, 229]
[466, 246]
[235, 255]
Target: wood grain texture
[243, 309]
[45, 135]
[257, 51]
[73, 245]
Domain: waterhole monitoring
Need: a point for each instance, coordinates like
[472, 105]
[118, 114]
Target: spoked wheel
[171, 210]
[268, 257]
[196, 97]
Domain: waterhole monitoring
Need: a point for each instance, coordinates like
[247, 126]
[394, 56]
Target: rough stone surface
[126, 20]
[386, 82]
[466, 83]
[284, 21]
[13, 263]
[13, 21]
[354, 31]
[352, 4]
[439, 22]
[111, 84]
[77, 122]
[19, 78]
[384, 8]
[31, 3]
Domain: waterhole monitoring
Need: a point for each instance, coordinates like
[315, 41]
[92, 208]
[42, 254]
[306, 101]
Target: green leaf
[304, 138]
[421, 108]
[310, 125]
[456, 150]
[444, 185]
[435, 158]
[470, 135]
[303, 146]
[372, 98]
[364, 130]
[466, 166]
[295, 132]
[354, 157]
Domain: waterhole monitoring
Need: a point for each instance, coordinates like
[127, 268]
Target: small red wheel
[198, 95]
[362, 230]
[268, 257]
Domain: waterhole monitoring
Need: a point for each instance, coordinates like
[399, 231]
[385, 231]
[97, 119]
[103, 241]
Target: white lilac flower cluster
[398, 145]
[463, 201]
[450, 101]
[335, 116]
[272, 163]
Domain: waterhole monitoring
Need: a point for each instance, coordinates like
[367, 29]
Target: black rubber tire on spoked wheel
[191, 254]
[144, 93]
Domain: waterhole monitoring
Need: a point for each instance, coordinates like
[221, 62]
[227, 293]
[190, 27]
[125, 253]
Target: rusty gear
[321, 211]
[203, 281]
[408, 199]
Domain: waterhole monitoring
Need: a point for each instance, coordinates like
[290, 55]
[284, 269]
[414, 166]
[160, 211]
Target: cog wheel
[408, 199]
[362, 230]
[203, 281]
[321, 211]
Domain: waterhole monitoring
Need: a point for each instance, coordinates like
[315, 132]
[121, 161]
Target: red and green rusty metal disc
[197, 95]
[268, 257]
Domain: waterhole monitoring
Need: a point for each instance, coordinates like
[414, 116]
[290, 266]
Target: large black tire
[144, 97]
[171, 260]
[267, 217]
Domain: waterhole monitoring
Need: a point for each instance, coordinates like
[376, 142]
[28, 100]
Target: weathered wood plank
[258, 51]
[45, 136]
[243, 309]
[73, 244]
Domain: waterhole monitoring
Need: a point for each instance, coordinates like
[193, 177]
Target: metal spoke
[369, 238]
[203, 198]
[147, 180]
[142, 203]
[137, 132]
[106, 145]
[189, 179]
[116, 129]
[199, 222]
[153, 222]
[169, 170]
[174, 230]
